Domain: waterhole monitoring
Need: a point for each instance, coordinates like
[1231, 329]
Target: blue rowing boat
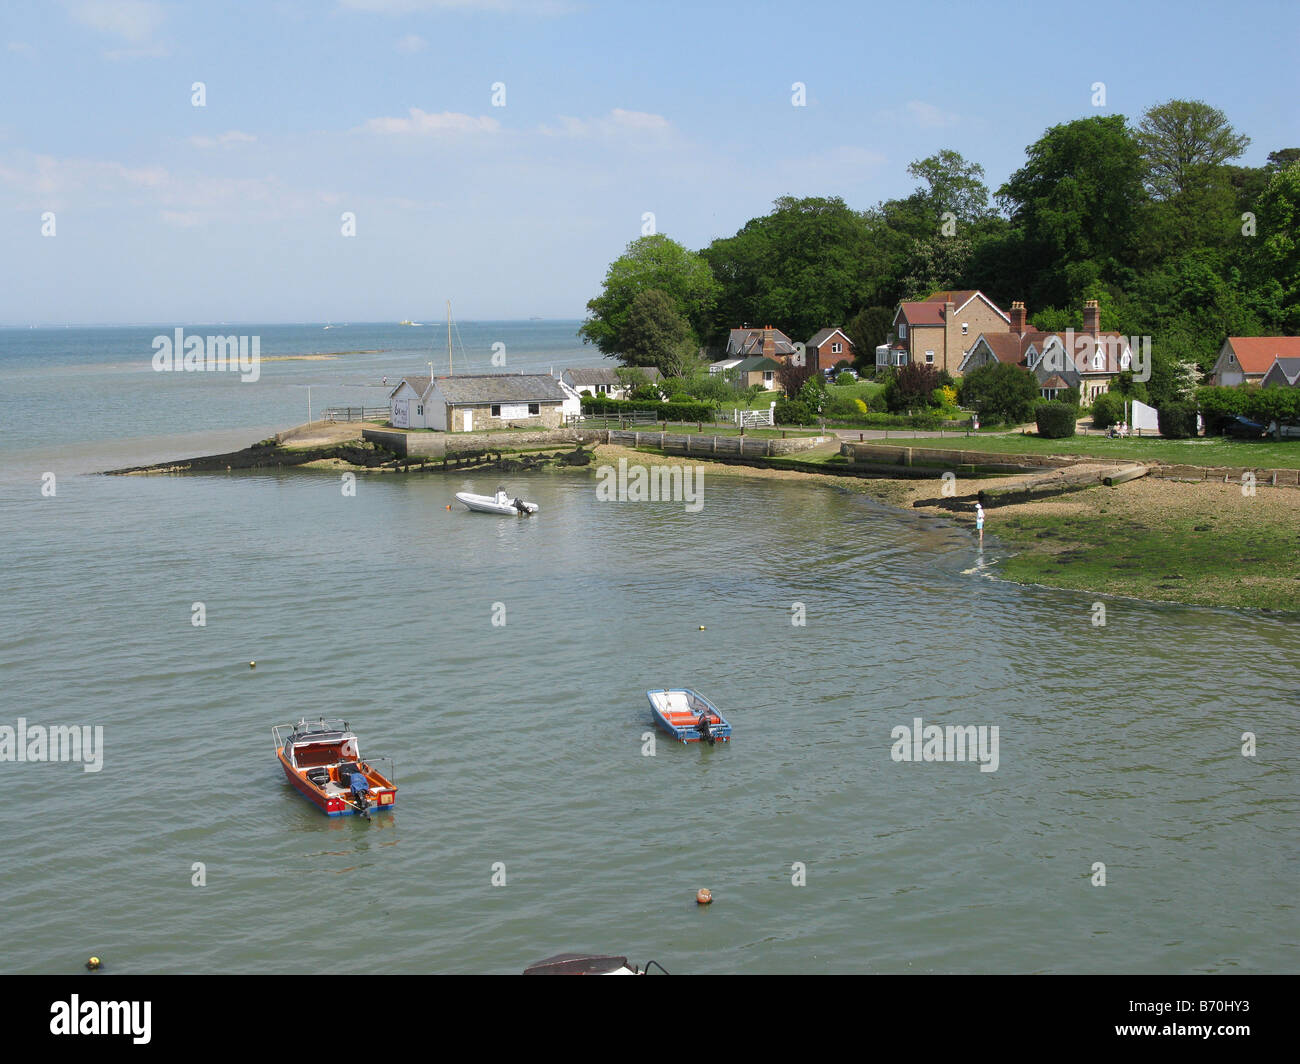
[688, 716]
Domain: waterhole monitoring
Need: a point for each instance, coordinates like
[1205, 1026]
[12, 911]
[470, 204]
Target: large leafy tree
[1183, 143]
[654, 332]
[1273, 255]
[650, 263]
[800, 267]
[1074, 204]
[952, 185]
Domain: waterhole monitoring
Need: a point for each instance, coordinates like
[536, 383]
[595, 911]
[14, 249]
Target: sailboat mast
[450, 371]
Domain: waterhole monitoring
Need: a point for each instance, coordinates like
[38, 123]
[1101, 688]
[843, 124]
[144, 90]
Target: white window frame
[965, 328]
[902, 330]
[836, 347]
[929, 358]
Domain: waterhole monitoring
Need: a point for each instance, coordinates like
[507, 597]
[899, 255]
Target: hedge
[1055, 420]
[1177, 421]
[1107, 410]
[677, 411]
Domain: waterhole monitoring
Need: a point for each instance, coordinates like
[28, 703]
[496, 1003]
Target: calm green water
[522, 744]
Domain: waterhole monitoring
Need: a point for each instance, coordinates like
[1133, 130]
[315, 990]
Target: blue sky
[231, 212]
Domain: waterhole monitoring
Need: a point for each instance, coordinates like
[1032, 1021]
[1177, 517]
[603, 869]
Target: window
[601, 389]
[902, 330]
[1098, 360]
[1034, 358]
[965, 328]
[767, 376]
[836, 348]
[420, 410]
[496, 409]
[900, 358]
[534, 409]
[929, 358]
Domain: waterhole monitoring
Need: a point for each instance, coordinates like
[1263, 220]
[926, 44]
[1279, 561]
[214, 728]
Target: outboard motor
[702, 726]
[519, 505]
[361, 792]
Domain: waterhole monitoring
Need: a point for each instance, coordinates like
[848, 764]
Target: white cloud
[233, 136]
[132, 20]
[422, 123]
[919, 114]
[411, 43]
[617, 122]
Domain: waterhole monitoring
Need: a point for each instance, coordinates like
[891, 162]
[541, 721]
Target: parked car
[1243, 428]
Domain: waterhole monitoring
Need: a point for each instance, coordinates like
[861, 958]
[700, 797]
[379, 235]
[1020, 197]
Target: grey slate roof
[823, 335]
[589, 376]
[1287, 368]
[742, 342]
[755, 362]
[476, 388]
[420, 384]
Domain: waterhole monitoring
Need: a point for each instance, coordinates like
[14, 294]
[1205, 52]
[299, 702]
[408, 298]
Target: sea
[1139, 817]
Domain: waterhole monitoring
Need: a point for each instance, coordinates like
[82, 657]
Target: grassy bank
[1211, 451]
[1196, 543]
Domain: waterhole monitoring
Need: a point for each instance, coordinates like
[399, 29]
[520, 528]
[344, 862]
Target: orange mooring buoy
[704, 896]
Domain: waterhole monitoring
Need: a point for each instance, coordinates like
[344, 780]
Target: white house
[408, 402]
[604, 381]
[470, 402]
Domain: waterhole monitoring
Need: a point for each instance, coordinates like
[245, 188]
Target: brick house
[940, 331]
[828, 348]
[1245, 359]
[1088, 360]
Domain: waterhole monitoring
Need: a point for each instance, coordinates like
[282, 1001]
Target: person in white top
[979, 522]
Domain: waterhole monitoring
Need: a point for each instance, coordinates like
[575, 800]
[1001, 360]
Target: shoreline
[1202, 544]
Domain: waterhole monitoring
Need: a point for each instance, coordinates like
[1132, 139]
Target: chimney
[948, 307]
[769, 341]
[1018, 318]
[1091, 318]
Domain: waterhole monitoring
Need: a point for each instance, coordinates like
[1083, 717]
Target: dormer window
[1098, 360]
[1034, 358]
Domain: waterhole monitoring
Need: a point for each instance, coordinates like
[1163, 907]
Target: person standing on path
[979, 522]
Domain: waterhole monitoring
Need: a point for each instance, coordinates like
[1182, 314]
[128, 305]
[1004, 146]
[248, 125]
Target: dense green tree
[1001, 393]
[800, 268]
[650, 262]
[952, 186]
[868, 329]
[1074, 202]
[654, 333]
[1272, 261]
[1184, 141]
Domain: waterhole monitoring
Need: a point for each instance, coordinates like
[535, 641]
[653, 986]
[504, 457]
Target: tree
[650, 262]
[1273, 259]
[654, 332]
[792, 377]
[1001, 393]
[800, 268]
[868, 329]
[1074, 203]
[953, 185]
[1183, 140]
[912, 387]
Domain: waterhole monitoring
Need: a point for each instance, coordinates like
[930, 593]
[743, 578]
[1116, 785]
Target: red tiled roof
[1255, 354]
[926, 313]
[956, 298]
[1006, 347]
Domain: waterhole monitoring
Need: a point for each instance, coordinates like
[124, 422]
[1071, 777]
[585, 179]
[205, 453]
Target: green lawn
[1210, 451]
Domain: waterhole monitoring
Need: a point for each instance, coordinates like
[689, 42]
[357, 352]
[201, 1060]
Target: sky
[501, 153]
